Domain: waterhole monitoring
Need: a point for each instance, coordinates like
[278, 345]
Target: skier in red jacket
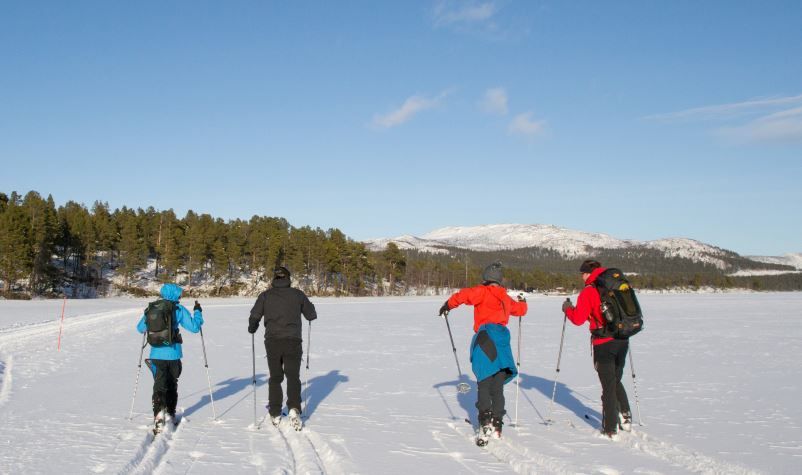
[609, 354]
[491, 355]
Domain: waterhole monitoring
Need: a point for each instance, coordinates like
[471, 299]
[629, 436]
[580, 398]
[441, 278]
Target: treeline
[49, 250]
[545, 270]
[44, 249]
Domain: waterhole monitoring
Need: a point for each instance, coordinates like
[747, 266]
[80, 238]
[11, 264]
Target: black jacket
[281, 306]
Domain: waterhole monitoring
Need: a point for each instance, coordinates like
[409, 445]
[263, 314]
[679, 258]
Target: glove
[521, 298]
[197, 307]
[444, 310]
[567, 304]
[252, 328]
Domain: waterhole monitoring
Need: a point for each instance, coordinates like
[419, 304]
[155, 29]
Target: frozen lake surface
[718, 382]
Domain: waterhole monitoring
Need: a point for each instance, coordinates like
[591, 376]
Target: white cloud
[524, 124]
[773, 119]
[780, 127]
[412, 106]
[451, 12]
[495, 101]
[723, 111]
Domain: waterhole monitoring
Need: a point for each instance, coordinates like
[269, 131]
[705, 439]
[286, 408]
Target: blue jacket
[192, 323]
[491, 352]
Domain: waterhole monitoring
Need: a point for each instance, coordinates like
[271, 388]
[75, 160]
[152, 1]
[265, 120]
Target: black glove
[252, 328]
[197, 307]
[521, 298]
[444, 310]
[567, 304]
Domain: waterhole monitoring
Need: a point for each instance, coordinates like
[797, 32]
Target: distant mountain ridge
[569, 243]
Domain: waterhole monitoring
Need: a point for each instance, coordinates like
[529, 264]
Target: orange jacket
[491, 304]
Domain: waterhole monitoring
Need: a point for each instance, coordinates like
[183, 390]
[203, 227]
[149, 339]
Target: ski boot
[295, 419]
[486, 428]
[497, 423]
[158, 423]
[625, 421]
[609, 435]
[275, 420]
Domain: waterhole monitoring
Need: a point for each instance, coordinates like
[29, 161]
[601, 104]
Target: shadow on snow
[564, 397]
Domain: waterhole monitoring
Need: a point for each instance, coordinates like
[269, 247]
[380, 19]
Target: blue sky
[641, 119]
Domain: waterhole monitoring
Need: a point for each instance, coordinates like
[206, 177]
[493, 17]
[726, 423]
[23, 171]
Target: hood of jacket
[171, 292]
[281, 282]
[593, 275]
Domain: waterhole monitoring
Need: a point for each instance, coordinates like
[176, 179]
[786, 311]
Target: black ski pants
[609, 360]
[491, 397]
[165, 384]
[284, 359]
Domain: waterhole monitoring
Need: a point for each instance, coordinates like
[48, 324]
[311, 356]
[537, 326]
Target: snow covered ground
[719, 380]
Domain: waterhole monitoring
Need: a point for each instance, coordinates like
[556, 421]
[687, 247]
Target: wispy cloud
[411, 107]
[780, 127]
[772, 119]
[454, 12]
[724, 111]
[494, 101]
[524, 124]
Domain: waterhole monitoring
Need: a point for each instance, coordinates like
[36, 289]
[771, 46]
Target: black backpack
[159, 318]
[619, 306]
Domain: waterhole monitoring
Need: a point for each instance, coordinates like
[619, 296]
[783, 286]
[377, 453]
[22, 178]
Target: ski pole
[461, 386]
[253, 354]
[138, 370]
[208, 379]
[306, 382]
[556, 376]
[635, 385]
[518, 364]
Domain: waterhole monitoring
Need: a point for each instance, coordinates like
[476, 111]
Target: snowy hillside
[381, 395]
[569, 243]
[793, 259]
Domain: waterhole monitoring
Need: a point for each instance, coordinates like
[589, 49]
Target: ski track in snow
[679, 456]
[520, 459]
[6, 363]
[308, 451]
[153, 449]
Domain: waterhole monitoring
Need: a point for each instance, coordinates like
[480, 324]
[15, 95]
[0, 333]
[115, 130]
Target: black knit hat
[281, 272]
[588, 266]
[492, 273]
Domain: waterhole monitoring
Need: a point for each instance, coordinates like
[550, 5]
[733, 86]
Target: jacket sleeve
[191, 322]
[470, 296]
[584, 303]
[517, 308]
[257, 312]
[141, 327]
[308, 308]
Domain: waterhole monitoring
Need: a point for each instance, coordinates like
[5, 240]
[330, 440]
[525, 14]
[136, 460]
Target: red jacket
[588, 307]
[491, 304]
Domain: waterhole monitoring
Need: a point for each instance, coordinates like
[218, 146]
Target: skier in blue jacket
[165, 361]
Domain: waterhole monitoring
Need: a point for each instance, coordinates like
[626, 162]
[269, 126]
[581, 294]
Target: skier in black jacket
[282, 306]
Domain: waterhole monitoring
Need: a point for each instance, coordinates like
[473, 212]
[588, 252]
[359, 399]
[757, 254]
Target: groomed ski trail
[18, 334]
